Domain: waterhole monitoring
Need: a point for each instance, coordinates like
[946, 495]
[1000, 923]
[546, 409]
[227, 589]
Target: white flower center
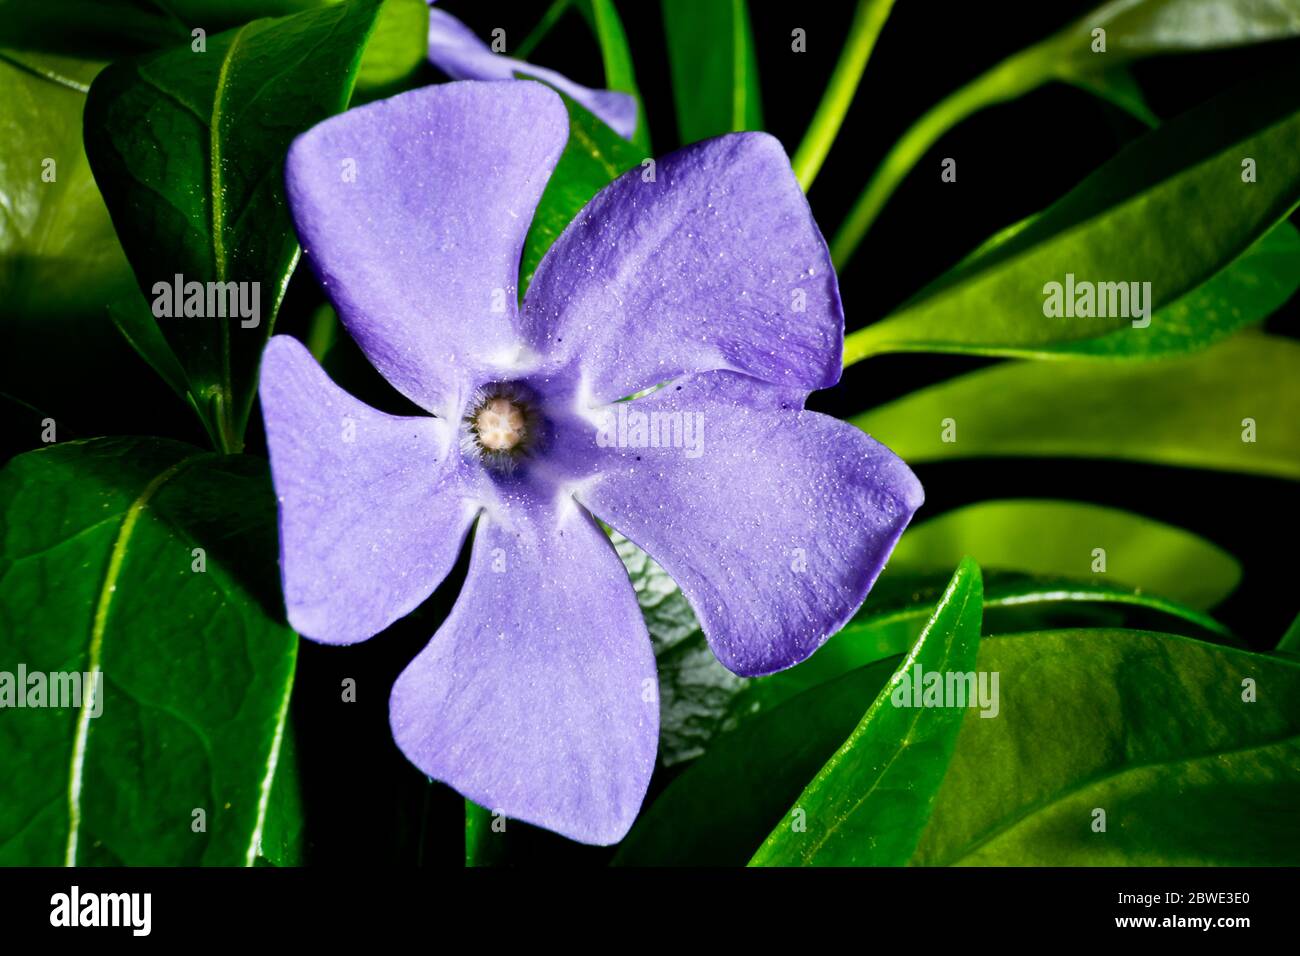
[500, 424]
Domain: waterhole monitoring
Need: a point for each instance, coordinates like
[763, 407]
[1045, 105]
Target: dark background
[366, 804]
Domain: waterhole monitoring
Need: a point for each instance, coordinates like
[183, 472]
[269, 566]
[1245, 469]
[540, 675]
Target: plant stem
[825, 126]
[551, 17]
[1012, 77]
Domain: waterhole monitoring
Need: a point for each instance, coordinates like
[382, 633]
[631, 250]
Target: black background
[365, 803]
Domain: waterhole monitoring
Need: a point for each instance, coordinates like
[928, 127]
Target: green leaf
[719, 809]
[99, 572]
[111, 28]
[1182, 411]
[1128, 222]
[1151, 729]
[699, 699]
[1046, 537]
[714, 68]
[133, 319]
[1290, 643]
[593, 158]
[60, 260]
[1246, 292]
[397, 49]
[1134, 29]
[188, 149]
[602, 16]
[869, 804]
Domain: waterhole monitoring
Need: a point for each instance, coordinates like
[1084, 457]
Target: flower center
[502, 426]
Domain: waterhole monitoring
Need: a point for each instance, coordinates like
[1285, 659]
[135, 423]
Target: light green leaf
[1246, 292]
[1189, 764]
[1156, 221]
[1192, 411]
[188, 149]
[868, 805]
[1064, 538]
[396, 50]
[153, 563]
[714, 68]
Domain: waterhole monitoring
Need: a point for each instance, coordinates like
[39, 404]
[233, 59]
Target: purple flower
[457, 51]
[710, 285]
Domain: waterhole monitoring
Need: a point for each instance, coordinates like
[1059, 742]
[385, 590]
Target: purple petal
[456, 50]
[775, 524]
[413, 212]
[537, 698]
[717, 264]
[373, 510]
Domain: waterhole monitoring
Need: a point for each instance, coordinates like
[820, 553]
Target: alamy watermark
[1083, 299]
[629, 427]
[921, 688]
[60, 689]
[209, 300]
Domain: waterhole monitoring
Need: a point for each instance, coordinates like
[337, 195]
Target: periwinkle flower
[458, 51]
[706, 293]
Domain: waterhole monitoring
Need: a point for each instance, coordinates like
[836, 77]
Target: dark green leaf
[714, 68]
[1155, 731]
[1182, 411]
[188, 149]
[869, 804]
[1128, 222]
[99, 572]
[722, 806]
[593, 158]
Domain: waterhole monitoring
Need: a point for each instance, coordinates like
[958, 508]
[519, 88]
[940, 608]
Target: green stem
[868, 21]
[1012, 77]
[551, 17]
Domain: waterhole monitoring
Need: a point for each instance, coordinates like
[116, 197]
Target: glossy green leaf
[699, 699]
[396, 50]
[188, 149]
[1193, 411]
[1191, 751]
[721, 807]
[714, 68]
[593, 158]
[1246, 292]
[1133, 29]
[602, 16]
[153, 563]
[60, 261]
[1166, 213]
[1042, 536]
[869, 804]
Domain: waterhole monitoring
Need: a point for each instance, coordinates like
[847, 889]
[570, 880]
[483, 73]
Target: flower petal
[456, 50]
[537, 697]
[773, 520]
[716, 264]
[373, 508]
[413, 212]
